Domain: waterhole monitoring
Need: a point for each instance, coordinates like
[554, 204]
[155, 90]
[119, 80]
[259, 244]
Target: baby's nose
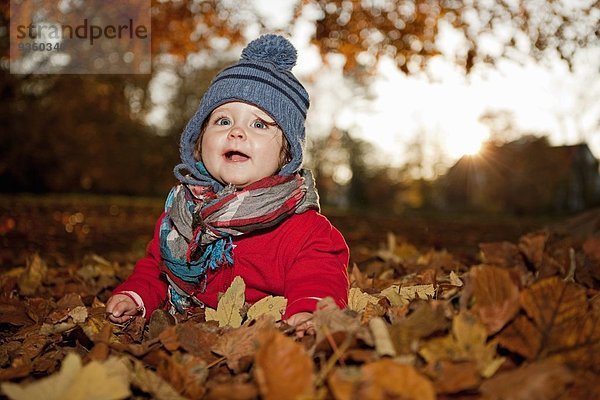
[237, 132]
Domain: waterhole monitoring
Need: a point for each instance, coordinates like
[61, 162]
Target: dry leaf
[33, 276]
[562, 325]
[425, 320]
[94, 381]
[455, 280]
[358, 300]
[230, 304]
[400, 296]
[239, 344]
[386, 379]
[273, 306]
[468, 341]
[381, 337]
[451, 377]
[151, 383]
[186, 374]
[495, 296]
[283, 369]
[543, 380]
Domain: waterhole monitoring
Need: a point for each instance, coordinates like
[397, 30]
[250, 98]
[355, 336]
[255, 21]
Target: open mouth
[236, 156]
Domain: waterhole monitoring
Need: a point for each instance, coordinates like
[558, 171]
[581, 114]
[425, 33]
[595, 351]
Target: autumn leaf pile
[521, 323]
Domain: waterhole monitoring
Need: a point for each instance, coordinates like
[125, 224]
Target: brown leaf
[453, 377]
[275, 381]
[239, 344]
[150, 382]
[591, 248]
[542, 380]
[33, 276]
[233, 391]
[34, 345]
[532, 246]
[386, 379]
[427, 319]
[13, 313]
[521, 337]
[501, 254]
[169, 338]
[101, 349]
[468, 341]
[197, 340]
[186, 374]
[328, 318]
[496, 296]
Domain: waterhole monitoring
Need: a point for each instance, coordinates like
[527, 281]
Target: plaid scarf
[198, 227]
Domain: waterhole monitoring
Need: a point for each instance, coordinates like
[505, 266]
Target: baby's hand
[303, 323]
[121, 308]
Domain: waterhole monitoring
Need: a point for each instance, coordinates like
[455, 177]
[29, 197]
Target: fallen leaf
[467, 341]
[79, 314]
[501, 254]
[424, 321]
[454, 377]
[273, 306]
[381, 337]
[293, 381]
[239, 344]
[358, 300]
[542, 380]
[230, 304]
[186, 374]
[151, 383]
[94, 381]
[532, 245]
[455, 280]
[495, 296]
[197, 339]
[32, 277]
[400, 296]
[386, 379]
[562, 326]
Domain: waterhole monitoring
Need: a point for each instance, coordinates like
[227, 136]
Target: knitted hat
[262, 77]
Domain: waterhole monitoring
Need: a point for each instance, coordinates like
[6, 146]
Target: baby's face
[241, 144]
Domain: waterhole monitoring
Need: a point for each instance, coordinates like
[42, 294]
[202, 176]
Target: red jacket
[303, 259]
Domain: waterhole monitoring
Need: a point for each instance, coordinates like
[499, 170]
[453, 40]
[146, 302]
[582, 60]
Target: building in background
[524, 176]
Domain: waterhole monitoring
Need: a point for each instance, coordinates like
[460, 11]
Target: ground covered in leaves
[520, 320]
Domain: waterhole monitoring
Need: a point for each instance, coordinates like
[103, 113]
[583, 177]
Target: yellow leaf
[391, 293]
[467, 341]
[358, 300]
[273, 306]
[33, 276]
[417, 292]
[228, 309]
[455, 280]
[94, 381]
[400, 296]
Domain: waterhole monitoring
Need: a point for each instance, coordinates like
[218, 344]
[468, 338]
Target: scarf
[197, 230]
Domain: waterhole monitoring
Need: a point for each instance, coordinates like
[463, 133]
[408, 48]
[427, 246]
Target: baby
[244, 207]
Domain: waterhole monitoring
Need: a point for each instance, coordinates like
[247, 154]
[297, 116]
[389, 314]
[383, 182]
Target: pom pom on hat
[271, 48]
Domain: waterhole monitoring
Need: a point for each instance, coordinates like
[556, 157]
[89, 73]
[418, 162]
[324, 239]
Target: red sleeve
[145, 279]
[319, 269]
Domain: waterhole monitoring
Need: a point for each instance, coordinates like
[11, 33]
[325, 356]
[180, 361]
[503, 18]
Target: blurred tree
[408, 30]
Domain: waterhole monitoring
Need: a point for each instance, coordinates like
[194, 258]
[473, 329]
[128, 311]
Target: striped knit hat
[262, 77]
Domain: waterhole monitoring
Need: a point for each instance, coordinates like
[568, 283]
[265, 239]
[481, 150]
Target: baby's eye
[259, 124]
[223, 121]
